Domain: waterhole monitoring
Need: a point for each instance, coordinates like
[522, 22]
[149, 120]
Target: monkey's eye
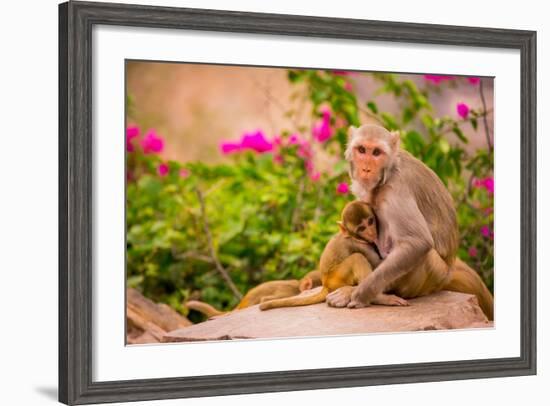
[370, 221]
[360, 229]
[376, 151]
[361, 149]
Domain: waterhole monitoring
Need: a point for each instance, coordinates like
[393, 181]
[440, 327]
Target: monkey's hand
[390, 300]
[340, 297]
[361, 297]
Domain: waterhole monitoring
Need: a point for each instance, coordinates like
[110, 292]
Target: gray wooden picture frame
[76, 20]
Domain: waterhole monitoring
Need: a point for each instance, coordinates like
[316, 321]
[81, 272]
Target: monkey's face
[366, 230]
[371, 152]
[369, 158]
[359, 221]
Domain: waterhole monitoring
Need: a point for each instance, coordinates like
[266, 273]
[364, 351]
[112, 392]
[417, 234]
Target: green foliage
[269, 217]
[268, 221]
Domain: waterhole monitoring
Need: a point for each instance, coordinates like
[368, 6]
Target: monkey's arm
[411, 239]
[369, 252]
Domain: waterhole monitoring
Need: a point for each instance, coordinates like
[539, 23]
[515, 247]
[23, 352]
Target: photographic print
[219, 208]
[268, 202]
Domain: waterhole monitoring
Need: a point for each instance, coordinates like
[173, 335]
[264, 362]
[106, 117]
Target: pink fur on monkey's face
[371, 151]
[369, 158]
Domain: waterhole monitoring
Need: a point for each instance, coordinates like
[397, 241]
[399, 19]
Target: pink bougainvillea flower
[293, 139]
[340, 72]
[474, 80]
[315, 176]
[462, 110]
[304, 150]
[278, 159]
[131, 133]
[472, 251]
[308, 164]
[485, 231]
[342, 188]
[256, 141]
[348, 86]
[230, 147]
[184, 172]
[152, 143]
[322, 131]
[163, 169]
[437, 79]
[488, 183]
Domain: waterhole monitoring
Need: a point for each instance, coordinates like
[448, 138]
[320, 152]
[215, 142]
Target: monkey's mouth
[366, 174]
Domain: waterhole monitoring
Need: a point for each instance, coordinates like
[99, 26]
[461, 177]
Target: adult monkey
[418, 232]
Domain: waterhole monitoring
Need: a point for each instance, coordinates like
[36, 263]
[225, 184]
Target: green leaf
[460, 134]
[372, 107]
[428, 121]
[444, 145]
[293, 76]
[389, 121]
[414, 143]
[408, 115]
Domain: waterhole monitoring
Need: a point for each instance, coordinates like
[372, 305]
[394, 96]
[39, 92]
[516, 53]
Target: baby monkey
[348, 258]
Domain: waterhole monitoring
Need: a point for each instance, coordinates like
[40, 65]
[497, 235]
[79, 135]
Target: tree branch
[223, 272]
[485, 125]
[299, 198]
[277, 103]
[317, 213]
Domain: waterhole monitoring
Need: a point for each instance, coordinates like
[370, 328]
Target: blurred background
[196, 106]
[235, 175]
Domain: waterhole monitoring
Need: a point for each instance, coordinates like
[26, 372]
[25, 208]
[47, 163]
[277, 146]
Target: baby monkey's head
[359, 221]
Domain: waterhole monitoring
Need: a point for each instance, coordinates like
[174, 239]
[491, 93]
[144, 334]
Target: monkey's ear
[351, 132]
[343, 229]
[395, 139]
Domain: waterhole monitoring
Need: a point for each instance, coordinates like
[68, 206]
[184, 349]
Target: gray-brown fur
[418, 233]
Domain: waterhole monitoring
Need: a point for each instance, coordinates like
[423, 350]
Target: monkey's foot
[340, 297]
[390, 300]
[355, 304]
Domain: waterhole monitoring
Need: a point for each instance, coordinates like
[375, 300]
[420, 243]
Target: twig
[193, 255]
[459, 124]
[369, 113]
[317, 212]
[468, 189]
[224, 274]
[296, 211]
[485, 125]
[272, 99]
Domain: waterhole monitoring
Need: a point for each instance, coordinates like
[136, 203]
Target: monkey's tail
[464, 279]
[300, 300]
[204, 308]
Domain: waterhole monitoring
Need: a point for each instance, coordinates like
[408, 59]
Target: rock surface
[440, 311]
[147, 321]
